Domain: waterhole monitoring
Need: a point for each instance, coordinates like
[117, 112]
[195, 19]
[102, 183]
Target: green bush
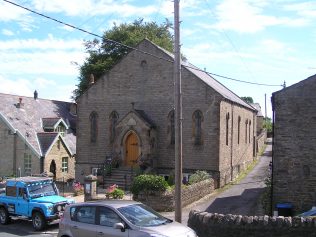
[198, 176]
[117, 194]
[148, 182]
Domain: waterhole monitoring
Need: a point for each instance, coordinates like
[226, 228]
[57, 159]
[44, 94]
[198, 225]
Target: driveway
[242, 198]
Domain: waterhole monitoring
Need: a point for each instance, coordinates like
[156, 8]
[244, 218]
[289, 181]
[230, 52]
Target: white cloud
[7, 32]
[44, 83]
[8, 12]
[305, 9]
[248, 17]
[57, 63]
[46, 44]
[16, 87]
[92, 8]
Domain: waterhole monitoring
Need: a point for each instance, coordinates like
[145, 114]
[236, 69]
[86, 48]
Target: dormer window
[54, 125]
[61, 129]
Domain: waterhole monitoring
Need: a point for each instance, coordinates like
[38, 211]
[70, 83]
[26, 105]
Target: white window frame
[64, 164]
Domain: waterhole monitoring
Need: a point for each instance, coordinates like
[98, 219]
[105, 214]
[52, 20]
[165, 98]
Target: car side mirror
[119, 226]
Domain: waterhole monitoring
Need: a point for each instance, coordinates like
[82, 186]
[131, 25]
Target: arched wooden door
[132, 149]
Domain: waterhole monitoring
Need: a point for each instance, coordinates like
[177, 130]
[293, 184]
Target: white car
[118, 218]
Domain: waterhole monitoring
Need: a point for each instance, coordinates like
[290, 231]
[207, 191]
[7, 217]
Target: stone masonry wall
[164, 201]
[218, 225]
[294, 149]
[147, 82]
[237, 152]
[7, 153]
[261, 140]
[56, 153]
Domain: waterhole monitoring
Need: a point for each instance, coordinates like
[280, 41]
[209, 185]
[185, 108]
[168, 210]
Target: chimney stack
[35, 95]
[91, 79]
[20, 104]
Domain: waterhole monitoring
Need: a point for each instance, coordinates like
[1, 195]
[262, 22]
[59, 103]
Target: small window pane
[64, 165]
[108, 217]
[86, 215]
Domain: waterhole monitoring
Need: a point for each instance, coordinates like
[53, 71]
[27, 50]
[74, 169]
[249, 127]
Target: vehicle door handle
[100, 233]
[75, 227]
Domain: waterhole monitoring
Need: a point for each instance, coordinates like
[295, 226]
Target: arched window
[93, 126]
[246, 128]
[113, 121]
[171, 128]
[197, 127]
[249, 131]
[239, 119]
[227, 128]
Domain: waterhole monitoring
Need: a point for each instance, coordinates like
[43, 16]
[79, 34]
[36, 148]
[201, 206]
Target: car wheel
[38, 220]
[4, 216]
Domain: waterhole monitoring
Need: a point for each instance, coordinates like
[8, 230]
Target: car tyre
[4, 216]
[39, 221]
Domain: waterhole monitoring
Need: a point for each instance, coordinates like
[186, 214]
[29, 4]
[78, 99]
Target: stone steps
[120, 176]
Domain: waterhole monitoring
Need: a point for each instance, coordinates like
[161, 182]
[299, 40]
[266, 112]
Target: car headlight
[50, 208]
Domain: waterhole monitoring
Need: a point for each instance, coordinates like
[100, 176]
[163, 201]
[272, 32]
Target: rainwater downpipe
[272, 152]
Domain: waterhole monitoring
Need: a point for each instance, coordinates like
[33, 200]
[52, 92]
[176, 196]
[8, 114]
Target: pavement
[241, 198]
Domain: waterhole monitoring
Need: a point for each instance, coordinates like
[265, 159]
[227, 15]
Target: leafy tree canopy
[247, 99]
[104, 54]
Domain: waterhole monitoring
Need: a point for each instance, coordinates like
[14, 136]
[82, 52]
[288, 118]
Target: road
[241, 198]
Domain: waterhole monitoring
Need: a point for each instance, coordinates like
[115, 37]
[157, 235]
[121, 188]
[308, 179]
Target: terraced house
[128, 116]
[37, 136]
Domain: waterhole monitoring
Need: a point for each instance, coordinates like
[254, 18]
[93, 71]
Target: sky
[258, 41]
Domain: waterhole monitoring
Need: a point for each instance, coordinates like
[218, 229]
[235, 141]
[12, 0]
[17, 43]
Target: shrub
[148, 182]
[114, 192]
[198, 176]
[77, 188]
[117, 194]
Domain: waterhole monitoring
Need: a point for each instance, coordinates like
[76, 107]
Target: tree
[267, 124]
[247, 99]
[106, 53]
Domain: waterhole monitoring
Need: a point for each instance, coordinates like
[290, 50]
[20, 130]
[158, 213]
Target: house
[128, 115]
[36, 136]
[294, 145]
[261, 136]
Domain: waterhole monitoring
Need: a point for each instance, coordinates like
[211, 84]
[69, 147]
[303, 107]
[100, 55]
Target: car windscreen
[142, 216]
[41, 189]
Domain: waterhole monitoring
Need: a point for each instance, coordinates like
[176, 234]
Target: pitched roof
[258, 108]
[45, 140]
[145, 117]
[209, 80]
[26, 119]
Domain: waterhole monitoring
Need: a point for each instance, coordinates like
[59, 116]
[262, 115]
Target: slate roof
[258, 108]
[209, 80]
[26, 120]
[50, 122]
[145, 117]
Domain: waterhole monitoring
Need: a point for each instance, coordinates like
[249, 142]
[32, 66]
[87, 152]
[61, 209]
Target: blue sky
[260, 41]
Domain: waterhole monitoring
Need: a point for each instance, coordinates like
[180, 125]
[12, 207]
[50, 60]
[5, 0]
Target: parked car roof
[110, 202]
[29, 179]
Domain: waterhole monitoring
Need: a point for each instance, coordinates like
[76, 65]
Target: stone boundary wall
[164, 201]
[261, 140]
[219, 225]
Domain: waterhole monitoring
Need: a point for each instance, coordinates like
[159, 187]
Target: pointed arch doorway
[132, 149]
[52, 168]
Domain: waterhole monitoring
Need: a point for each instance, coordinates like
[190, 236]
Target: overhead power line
[130, 47]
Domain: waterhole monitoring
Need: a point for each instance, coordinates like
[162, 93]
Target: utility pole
[265, 105]
[178, 114]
